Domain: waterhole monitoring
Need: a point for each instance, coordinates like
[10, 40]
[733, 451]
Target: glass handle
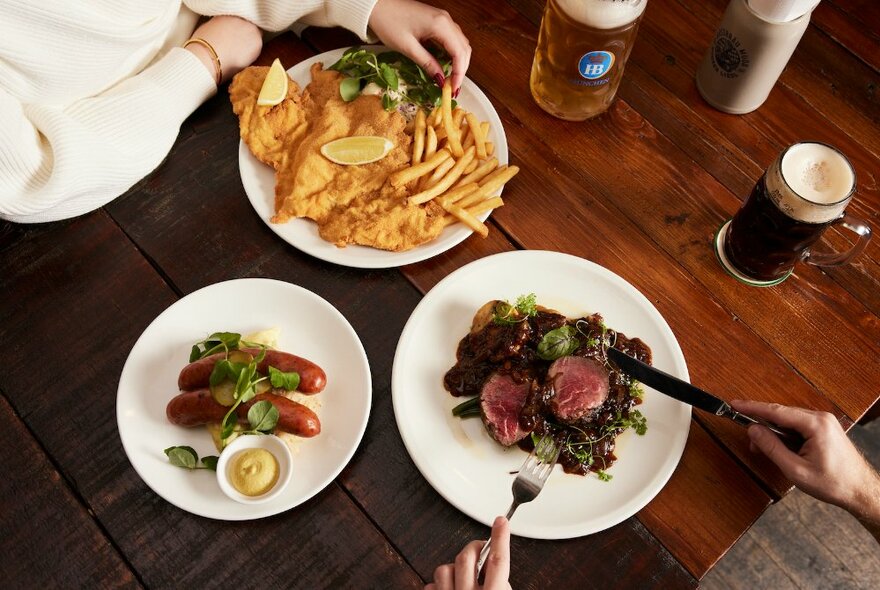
[863, 235]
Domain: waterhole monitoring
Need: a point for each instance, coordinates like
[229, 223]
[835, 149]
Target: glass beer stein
[804, 192]
[582, 48]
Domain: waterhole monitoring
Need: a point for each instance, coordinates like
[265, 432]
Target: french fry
[471, 167]
[446, 182]
[468, 219]
[476, 131]
[430, 142]
[480, 172]
[485, 127]
[438, 173]
[458, 114]
[405, 175]
[432, 117]
[451, 130]
[497, 179]
[468, 139]
[418, 138]
[438, 117]
[490, 148]
[441, 133]
[487, 205]
[456, 194]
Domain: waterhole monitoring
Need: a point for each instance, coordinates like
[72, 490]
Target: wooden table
[640, 190]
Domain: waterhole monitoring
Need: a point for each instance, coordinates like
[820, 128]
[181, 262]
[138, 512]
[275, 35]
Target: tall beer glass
[582, 48]
[804, 192]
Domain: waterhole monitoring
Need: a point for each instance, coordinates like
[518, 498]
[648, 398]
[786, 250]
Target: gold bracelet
[214, 55]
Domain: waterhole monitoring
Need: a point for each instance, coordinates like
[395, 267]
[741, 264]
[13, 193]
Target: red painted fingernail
[439, 79]
[455, 94]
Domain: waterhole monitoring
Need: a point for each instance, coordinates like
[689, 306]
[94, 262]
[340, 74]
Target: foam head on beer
[821, 176]
[603, 14]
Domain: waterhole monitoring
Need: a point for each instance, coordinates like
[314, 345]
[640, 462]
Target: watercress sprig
[505, 314]
[402, 79]
[186, 457]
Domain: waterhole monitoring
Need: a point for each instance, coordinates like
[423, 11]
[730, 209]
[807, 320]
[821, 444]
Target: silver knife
[694, 396]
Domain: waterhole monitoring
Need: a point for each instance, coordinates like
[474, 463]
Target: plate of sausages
[164, 400]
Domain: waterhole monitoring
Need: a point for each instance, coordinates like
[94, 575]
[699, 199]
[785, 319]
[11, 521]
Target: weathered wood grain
[84, 293]
[849, 22]
[44, 523]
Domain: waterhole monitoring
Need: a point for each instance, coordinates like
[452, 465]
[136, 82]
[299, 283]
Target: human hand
[462, 575]
[404, 24]
[828, 466]
[237, 42]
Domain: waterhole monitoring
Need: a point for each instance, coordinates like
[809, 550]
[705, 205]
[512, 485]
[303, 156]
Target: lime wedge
[360, 149]
[274, 88]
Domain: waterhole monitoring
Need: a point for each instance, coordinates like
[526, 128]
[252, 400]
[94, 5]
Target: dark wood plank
[91, 267]
[707, 468]
[849, 23]
[45, 523]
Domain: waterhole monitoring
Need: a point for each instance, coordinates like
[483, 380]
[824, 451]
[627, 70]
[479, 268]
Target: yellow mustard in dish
[253, 472]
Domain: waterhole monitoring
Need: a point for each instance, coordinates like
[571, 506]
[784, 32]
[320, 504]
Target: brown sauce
[588, 442]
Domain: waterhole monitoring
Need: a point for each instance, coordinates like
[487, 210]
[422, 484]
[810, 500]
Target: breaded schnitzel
[351, 204]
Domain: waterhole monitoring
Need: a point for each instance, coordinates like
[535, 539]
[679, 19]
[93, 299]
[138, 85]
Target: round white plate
[472, 471]
[259, 184]
[310, 327]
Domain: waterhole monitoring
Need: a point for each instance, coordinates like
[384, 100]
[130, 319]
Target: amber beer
[582, 48]
[805, 190]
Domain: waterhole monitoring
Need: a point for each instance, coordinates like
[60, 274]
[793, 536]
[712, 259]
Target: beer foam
[603, 14]
[821, 176]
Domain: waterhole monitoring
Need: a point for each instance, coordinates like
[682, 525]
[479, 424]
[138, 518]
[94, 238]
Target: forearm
[866, 506]
[280, 14]
[60, 163]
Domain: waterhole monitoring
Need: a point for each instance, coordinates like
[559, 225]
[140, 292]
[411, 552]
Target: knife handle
[790, 438]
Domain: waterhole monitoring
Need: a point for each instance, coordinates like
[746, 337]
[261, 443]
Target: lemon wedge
[274, 88]
[360, 149]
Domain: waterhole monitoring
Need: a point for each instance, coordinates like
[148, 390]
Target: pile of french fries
[452, 164]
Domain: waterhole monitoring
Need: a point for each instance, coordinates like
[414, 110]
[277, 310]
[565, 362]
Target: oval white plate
[310, 327]
[472, 471]
[259, 184]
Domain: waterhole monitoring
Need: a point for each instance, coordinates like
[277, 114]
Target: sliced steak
[580, 386]
[501, 402]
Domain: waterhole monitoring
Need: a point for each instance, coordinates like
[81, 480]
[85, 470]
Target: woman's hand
[828, 466]
[461, 575]
[237, 42]
[404, 24]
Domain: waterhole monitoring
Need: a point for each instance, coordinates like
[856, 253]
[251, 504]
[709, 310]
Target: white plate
[472, 471]
[259, 184]
[310, 327]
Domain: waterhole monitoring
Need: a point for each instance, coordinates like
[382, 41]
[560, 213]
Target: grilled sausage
[312, 378]
[196, 408]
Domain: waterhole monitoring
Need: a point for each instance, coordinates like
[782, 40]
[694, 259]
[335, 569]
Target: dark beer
[802, 193]
[763, 242]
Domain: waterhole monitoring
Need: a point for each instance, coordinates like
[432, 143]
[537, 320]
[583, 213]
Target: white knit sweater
[93, 92]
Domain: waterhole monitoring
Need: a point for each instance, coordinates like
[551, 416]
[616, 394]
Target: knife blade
[694, 396]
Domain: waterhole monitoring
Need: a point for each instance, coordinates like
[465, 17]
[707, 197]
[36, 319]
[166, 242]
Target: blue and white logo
[595, 64]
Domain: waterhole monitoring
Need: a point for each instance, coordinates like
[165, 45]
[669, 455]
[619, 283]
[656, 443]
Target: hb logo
[595, 64]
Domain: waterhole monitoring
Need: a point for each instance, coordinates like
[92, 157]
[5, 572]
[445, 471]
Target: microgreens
[558, 343]
[399, 77]
[505, 314]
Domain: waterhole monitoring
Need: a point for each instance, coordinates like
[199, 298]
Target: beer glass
[582, 48]
[804, 192]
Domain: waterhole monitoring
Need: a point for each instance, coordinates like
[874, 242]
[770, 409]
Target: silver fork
[529, 482]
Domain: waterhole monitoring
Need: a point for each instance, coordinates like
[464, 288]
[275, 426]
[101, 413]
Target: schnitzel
[350, 204]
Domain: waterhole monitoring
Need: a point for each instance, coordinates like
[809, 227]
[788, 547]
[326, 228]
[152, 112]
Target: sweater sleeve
[277, 15]
[57, 163]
